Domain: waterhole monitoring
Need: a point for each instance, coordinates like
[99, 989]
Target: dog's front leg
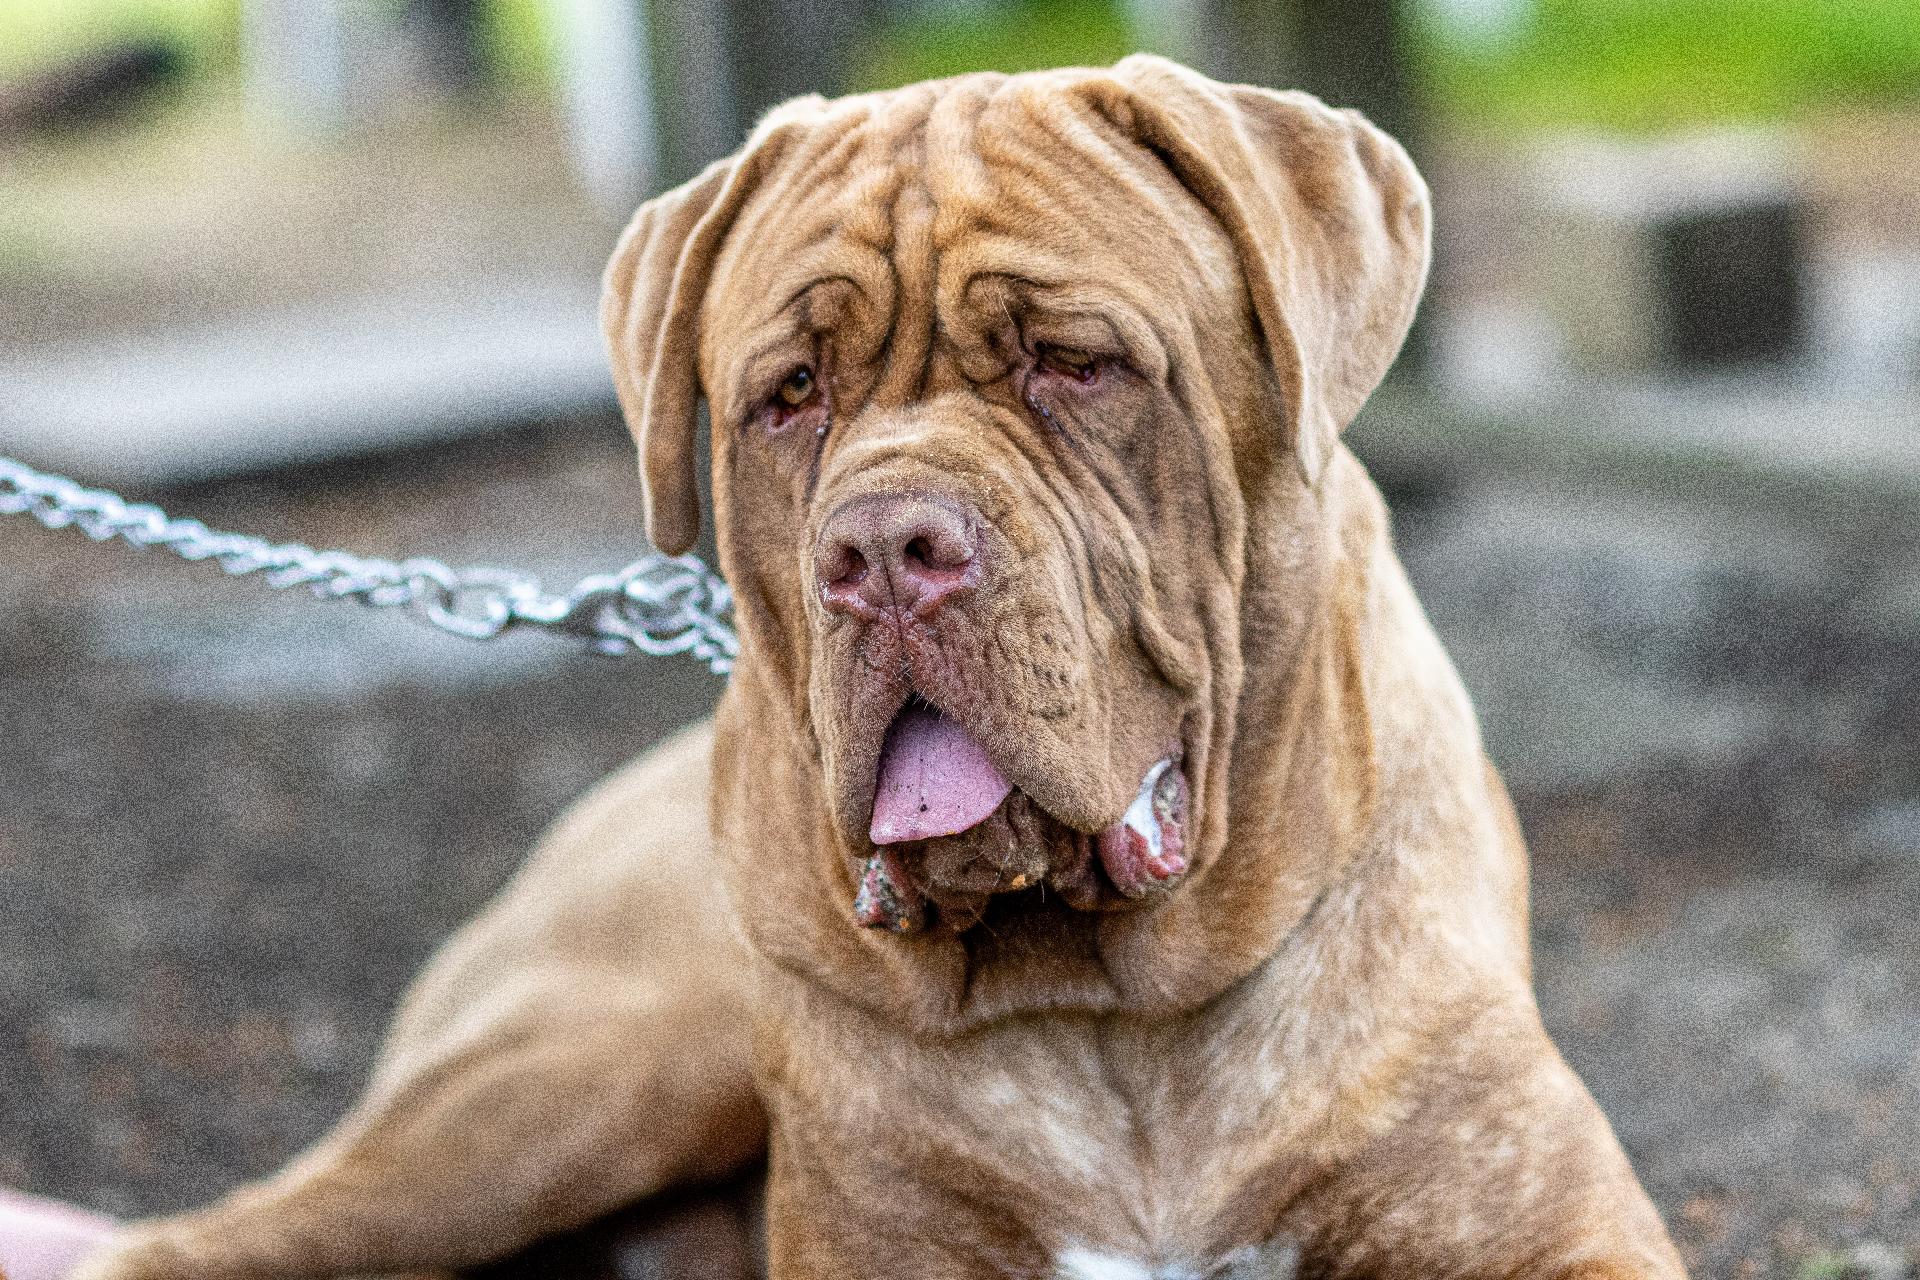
[1508, 1168]
[580, 1045]
[480, 1156]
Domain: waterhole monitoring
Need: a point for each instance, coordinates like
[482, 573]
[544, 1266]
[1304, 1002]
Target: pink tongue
[934, 780]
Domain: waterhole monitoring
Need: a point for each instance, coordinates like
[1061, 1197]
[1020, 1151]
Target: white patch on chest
[1084, 1264]
[1276, 1260]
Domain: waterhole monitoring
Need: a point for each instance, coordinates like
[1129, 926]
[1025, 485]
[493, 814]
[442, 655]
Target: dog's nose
[894, 551]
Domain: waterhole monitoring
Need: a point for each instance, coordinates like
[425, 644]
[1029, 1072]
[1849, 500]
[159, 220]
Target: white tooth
[1139, 815]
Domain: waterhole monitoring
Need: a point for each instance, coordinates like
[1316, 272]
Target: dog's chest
[1134, 1153]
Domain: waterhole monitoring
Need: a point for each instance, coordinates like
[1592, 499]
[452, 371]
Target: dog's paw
[136, 1255]
[153, 1256]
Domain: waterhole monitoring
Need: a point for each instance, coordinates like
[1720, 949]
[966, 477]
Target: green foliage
[1017, 35]
[1641, 65]
[517, 37]
[35, 32]
[515, 33]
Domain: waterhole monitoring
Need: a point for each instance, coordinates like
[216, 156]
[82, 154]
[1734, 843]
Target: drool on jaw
[1139, 816]
[888, 899]
[1147, 847]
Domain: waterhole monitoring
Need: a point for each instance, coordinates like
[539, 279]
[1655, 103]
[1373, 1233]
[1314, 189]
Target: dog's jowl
[1114, 881]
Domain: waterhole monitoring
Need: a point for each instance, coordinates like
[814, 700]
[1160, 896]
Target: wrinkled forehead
[912, 198]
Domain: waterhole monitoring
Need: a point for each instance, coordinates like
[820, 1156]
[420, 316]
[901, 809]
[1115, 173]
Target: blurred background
[326, 270]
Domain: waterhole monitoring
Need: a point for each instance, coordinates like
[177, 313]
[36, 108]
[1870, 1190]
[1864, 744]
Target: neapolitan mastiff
[1104, 877]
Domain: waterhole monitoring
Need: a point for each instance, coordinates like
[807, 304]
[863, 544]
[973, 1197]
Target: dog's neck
[1344, 674]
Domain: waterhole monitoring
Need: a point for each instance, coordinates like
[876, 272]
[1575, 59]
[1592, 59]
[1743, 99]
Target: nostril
[847, 568]
[937, 550]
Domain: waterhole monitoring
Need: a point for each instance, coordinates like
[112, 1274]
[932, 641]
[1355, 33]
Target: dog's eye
[1069, 362]
[798, 389]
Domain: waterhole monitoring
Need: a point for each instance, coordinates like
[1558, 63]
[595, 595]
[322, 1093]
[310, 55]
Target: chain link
[657, 605]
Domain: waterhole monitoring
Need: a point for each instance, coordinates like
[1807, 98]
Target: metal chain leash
[657, 605]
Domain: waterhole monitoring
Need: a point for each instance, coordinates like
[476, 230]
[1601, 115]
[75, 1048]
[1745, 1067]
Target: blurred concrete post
[784, 48]
[1353, 53]
[606, 91]
[718, 67]
[1356, 53]
[697, 117]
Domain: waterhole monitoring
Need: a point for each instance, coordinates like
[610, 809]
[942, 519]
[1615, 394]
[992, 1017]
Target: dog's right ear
[650, 302]
[1328, 214]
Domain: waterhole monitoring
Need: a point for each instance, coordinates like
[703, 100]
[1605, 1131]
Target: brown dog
[1078, 669]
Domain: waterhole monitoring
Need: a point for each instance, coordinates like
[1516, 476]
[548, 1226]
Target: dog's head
[1021, 389]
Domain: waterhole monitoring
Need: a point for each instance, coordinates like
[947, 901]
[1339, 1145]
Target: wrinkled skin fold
[1103, 875]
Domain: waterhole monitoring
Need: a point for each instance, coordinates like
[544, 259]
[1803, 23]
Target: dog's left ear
[1329, 217]
[650, 302]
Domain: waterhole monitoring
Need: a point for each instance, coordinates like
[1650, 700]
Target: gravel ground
[236, 823]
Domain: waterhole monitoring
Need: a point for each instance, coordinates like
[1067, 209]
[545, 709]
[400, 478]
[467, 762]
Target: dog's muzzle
[950, 831]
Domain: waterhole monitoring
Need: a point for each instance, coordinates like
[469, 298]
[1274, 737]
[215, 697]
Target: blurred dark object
[96, 88]
[1352, 53]
[1731, 283]
[1671, 255]
[712, 1233]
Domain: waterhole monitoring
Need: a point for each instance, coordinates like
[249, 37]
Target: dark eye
[798, 389]
[1068, 362]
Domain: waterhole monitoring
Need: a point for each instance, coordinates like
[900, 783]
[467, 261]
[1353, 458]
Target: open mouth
[950, 831]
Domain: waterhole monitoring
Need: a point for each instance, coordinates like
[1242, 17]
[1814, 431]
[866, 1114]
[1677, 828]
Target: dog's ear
[1327, 213]
[650, 302]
